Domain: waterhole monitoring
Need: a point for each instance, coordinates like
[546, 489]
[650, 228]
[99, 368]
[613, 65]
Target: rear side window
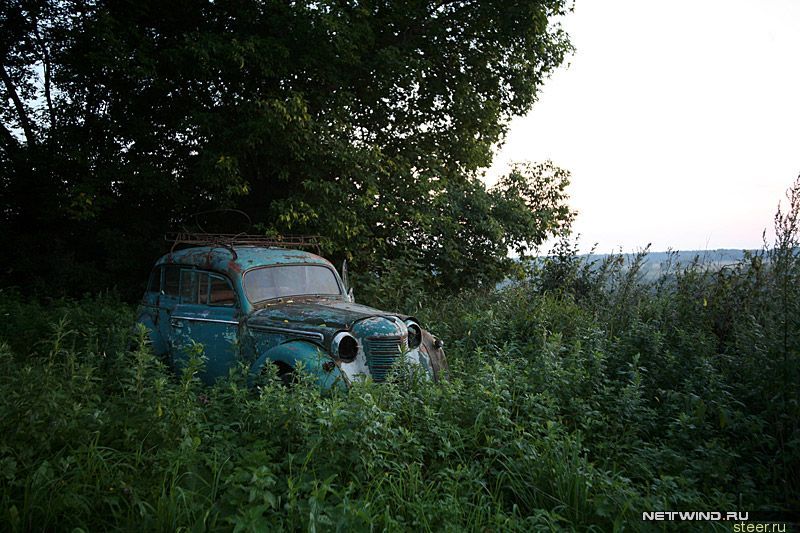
[171, 280]
[154, 283]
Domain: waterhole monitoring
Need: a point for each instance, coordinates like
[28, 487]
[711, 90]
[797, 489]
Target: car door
[168, 299]
[148, 313]
[206, 313]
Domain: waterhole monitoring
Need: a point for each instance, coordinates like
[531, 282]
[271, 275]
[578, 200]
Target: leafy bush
[578, 399]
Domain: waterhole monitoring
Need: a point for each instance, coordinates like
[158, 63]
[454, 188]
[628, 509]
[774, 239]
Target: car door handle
[175, 323]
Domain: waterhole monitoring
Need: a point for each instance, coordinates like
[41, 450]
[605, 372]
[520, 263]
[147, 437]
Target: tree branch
[7, 140]
[23, 118]
[47, 70]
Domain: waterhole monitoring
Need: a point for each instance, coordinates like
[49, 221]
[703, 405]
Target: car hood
[324, 315]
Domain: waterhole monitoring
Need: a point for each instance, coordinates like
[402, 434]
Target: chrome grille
[381, 354]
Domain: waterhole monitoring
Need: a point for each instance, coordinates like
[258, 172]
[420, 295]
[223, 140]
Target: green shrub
[578, 399]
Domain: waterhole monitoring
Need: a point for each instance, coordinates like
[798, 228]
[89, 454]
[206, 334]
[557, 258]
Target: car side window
[154, 283]
[203, 288]
[171, 280]
[220, 292]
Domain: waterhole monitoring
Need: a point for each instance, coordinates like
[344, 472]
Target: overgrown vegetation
[578, 399]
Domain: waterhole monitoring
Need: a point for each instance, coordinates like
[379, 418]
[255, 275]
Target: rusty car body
[254, 301]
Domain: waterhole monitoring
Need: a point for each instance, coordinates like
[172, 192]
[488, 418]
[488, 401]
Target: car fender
[310, 356]
[435, 351]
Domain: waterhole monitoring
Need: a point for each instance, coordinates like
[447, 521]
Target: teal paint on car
[275, 306]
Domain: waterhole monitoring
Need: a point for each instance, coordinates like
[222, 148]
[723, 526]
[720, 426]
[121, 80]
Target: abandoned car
[266, 302]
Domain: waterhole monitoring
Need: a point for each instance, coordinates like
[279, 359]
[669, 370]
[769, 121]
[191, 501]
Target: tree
[366, 122]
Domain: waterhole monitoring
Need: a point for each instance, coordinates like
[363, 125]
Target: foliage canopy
[365, 122]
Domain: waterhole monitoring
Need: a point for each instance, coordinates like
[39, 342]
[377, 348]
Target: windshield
[289, 280]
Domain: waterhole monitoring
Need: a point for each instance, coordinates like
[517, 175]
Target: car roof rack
[229, 240]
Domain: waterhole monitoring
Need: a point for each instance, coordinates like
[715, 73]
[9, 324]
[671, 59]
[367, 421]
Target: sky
[679, 121]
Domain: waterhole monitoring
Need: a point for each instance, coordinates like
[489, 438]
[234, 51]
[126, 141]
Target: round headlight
[414, 334]
[344, 346]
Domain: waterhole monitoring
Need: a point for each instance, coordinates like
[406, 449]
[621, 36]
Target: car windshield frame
[327, 267]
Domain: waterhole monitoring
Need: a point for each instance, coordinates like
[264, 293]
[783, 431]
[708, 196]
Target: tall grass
[578, 399]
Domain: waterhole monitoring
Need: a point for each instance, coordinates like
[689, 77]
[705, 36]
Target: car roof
[237, 259]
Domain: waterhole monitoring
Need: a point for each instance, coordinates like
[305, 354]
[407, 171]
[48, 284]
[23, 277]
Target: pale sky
[679, 121]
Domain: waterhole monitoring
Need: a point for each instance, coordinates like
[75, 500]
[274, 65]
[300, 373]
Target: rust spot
[299, 257]
[233, 266]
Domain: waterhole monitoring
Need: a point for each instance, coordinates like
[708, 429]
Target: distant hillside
[723, 255]
[657, 262]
